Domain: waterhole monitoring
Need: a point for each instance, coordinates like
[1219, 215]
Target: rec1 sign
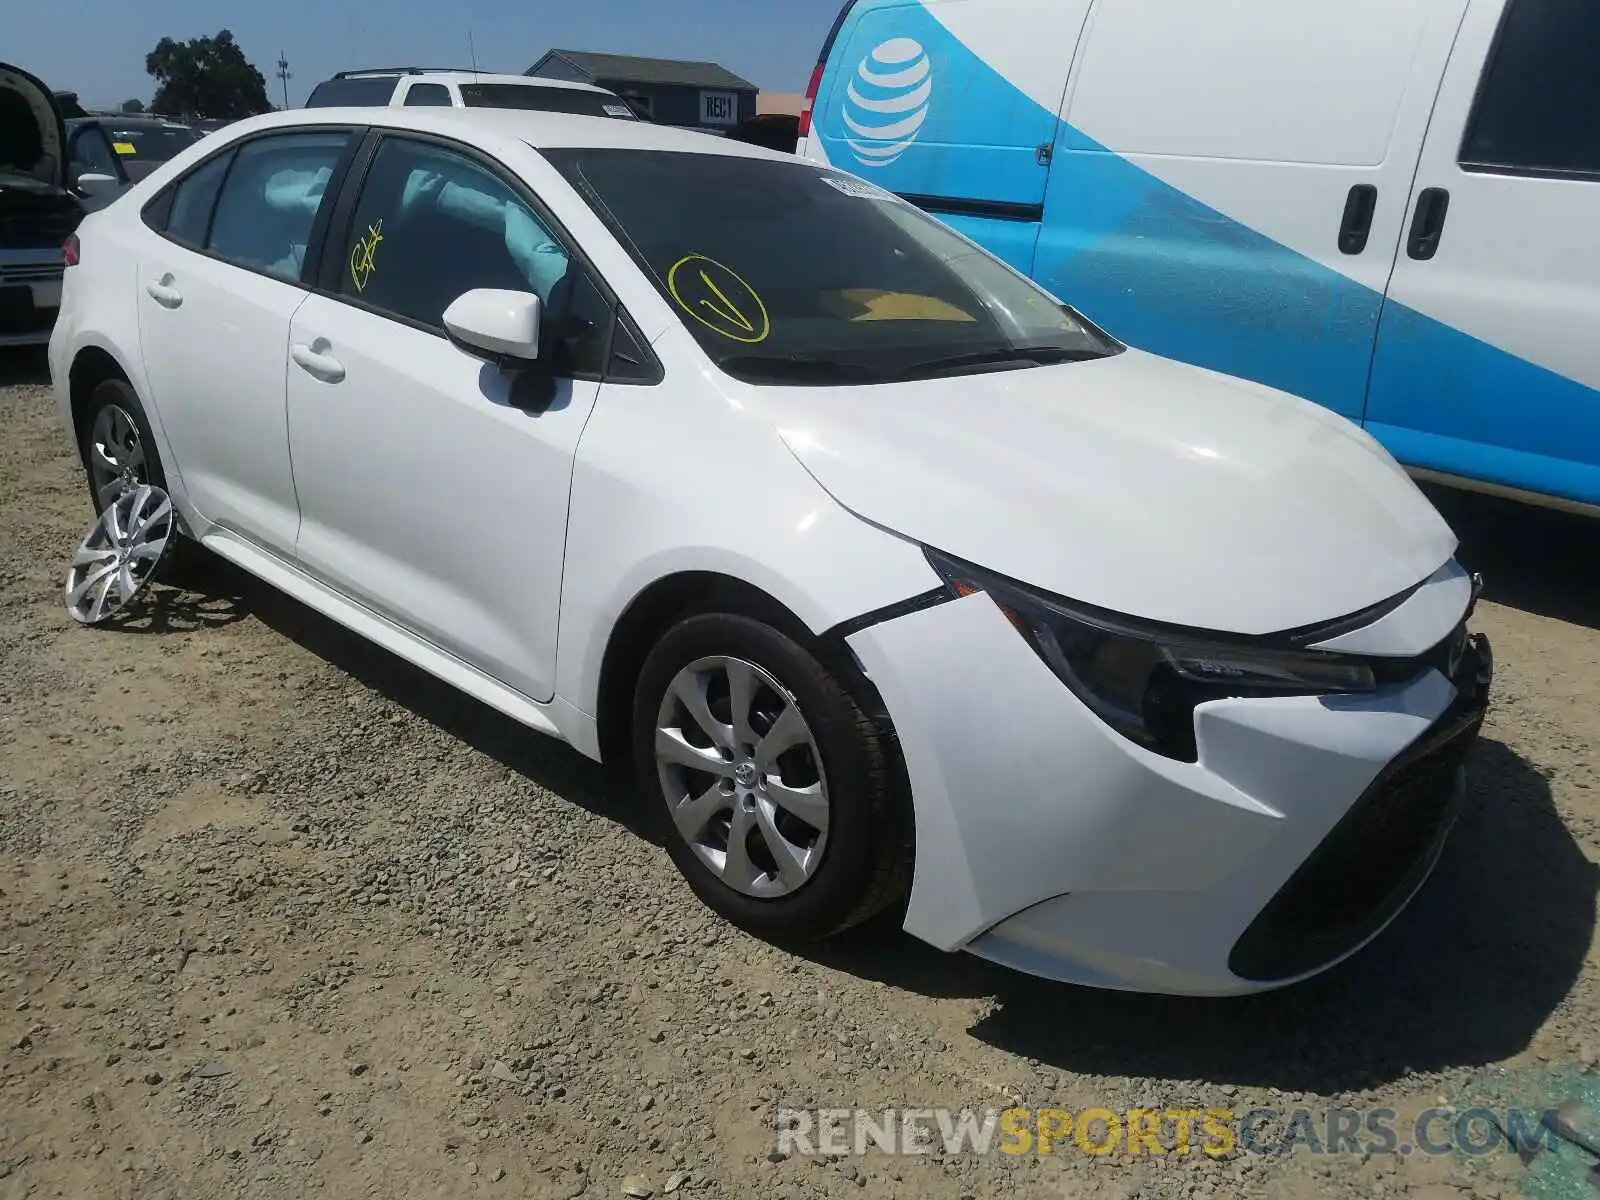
[719, 108]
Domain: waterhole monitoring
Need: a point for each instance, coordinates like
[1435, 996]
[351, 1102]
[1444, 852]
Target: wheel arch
[91, 366]
[96, 360]
[682, 594]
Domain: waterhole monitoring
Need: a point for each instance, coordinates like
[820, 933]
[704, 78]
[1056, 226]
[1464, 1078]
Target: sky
[97, 47]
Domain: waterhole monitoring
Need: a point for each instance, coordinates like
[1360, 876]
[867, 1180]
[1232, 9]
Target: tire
[116, 396]
[849, 871]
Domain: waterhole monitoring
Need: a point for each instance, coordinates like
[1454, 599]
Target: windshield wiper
[1009, 357]
[799, 367]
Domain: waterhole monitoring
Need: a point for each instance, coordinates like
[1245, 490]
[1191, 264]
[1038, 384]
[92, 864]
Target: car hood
[33, 140]
[1132, 483]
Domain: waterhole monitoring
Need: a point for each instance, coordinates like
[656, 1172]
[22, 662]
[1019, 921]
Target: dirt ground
[281, 915]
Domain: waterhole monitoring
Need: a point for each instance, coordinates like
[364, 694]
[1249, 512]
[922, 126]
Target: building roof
[628, 68]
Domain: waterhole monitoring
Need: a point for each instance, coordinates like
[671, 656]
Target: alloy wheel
[120, 554]
[742, 776]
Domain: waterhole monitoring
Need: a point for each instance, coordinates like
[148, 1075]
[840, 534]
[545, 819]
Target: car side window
[193, 200]
[90, 152]
[434, 95]
[1538, 106]
[432, 224]
[270, 200]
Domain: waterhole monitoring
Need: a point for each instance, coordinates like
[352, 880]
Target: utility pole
[283, 76]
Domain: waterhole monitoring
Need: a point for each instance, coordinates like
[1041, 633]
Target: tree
[205, 77]
[133, 106]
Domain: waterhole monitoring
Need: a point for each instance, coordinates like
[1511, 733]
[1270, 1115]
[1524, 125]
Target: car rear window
[150, 143]
[372, 92]
[546, 99]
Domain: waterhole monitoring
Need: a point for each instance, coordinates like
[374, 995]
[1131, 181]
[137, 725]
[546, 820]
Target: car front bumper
[1047, 842]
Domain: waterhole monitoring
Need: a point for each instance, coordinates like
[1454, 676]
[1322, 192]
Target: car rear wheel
[118, 449]
[772, 790]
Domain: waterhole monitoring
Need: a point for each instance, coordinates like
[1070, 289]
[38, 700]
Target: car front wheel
[773, 790]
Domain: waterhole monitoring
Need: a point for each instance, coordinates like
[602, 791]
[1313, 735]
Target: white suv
[414, 87]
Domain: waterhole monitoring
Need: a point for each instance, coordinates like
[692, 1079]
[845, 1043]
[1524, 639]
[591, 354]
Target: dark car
[127, 146]
[38, 210]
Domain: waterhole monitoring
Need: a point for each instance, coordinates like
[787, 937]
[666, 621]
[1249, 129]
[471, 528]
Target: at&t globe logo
[887, 101]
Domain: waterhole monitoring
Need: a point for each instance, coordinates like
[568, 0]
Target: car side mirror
[97, 184]
[498, 325]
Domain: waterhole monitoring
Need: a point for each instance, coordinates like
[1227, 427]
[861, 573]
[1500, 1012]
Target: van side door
[953, 105]
[1230, 179]
[1487, 365]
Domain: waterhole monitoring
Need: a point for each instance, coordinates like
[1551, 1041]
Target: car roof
[128, 121]
[539, 129]
[459, 77]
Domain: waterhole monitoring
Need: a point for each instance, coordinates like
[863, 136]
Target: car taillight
[70, 250]
[811, 99]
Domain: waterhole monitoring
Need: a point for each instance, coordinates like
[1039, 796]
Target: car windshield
[788, 274]
[579, 101]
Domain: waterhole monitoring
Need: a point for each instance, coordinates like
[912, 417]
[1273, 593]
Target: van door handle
[1427, 226]
[1356, 227]
[316, 362]
[163, 293]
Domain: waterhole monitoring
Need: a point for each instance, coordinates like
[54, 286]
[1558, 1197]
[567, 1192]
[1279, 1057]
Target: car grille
[1377, 856]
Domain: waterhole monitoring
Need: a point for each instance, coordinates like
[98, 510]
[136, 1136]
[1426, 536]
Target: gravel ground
[280, 914]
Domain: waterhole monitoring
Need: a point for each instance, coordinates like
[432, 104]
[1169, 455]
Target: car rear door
[218, 279]
[952, 104]
[1486, 366]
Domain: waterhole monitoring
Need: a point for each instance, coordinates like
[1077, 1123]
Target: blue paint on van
[1169, 274]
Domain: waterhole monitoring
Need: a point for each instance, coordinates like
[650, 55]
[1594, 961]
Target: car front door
[218, 281]
[1486, 364]
[433, 485]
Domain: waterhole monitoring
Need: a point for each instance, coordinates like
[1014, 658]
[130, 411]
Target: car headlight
[1145, 680]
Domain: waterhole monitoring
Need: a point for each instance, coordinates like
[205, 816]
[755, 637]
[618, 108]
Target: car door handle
[314, 362]
[1356, 227]
[1427, 226]
[163, 293]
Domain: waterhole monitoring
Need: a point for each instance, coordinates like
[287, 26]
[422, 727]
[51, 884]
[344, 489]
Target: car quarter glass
[787, 274]
[193, 199]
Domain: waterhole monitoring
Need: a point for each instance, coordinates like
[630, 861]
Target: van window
[428, 95]
[371, 92]
[1538, 109]
[1292, 81]
[579, 101]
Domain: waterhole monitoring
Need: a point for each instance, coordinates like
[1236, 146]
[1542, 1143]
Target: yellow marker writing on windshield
[727, 311]
[717, 297]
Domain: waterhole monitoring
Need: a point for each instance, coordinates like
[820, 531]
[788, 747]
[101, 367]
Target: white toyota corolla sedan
[900, 584]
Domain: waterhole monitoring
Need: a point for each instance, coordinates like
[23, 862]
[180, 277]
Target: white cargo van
[1391, 207]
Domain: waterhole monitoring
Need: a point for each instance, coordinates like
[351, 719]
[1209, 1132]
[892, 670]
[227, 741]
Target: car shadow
[1538, 560]
[198, 594]
[542, 760]
[23, 364]
[1464, 977]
